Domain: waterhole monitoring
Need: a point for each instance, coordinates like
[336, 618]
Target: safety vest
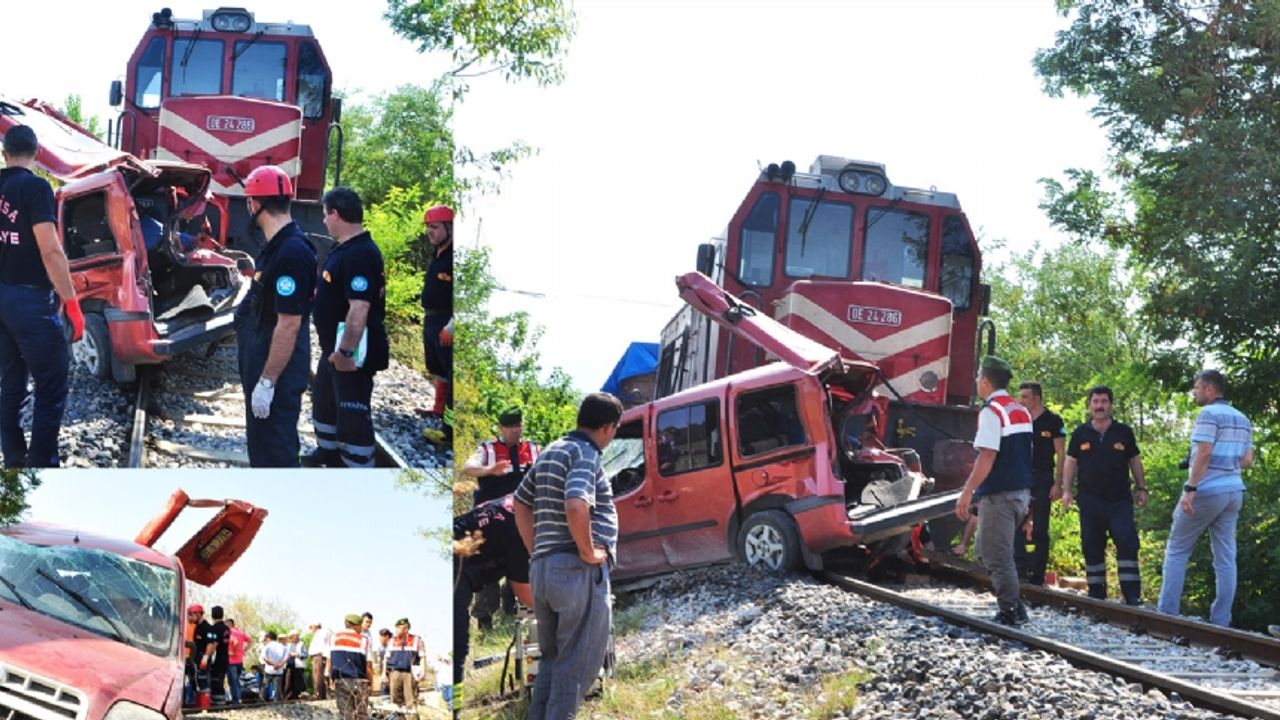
[403, 654]
[1012, 468]
[348, 653]
[492, 451]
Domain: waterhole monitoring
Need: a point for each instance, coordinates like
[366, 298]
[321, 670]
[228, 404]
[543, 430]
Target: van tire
[769, 540]
[93, 350]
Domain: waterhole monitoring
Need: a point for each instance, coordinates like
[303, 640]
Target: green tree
[75, 111]
[14, 486]
[502, 369]
[521, 39]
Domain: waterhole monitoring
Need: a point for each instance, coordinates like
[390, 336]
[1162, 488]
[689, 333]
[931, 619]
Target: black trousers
[342, 415]
[1032, 563]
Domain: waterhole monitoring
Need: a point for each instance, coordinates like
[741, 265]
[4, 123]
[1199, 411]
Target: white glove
[263, 393]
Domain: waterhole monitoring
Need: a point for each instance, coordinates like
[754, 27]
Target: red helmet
[195, 607]
[439, 213]
[268, 181]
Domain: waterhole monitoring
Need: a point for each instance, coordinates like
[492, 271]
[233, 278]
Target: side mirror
[984, 299]
[706, 263]
[117, 93]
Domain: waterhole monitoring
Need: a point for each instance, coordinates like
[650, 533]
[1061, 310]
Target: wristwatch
[1188, 488]
[266, 383]
[346, 353]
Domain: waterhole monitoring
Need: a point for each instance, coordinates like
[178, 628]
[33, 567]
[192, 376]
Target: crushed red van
[92, 627]
[776, 465]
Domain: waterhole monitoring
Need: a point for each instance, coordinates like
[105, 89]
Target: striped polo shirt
[570, 467]
[1231, 434]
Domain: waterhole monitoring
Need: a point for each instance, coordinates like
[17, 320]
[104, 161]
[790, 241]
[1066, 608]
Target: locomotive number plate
[228, 123]
[874, 315]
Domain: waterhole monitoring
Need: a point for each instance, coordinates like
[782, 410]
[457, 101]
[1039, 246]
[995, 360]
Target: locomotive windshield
[818, 238]
[258, 70]
[897, 247]
[126, 600]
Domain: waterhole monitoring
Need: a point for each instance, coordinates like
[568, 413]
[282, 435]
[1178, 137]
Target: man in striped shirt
[564, 511]
[1221, 444]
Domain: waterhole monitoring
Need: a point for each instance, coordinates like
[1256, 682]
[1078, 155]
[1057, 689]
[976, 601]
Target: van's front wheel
[769, 539]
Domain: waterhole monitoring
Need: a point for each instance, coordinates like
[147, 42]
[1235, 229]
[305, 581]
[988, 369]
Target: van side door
[693, 487]
[629, 469]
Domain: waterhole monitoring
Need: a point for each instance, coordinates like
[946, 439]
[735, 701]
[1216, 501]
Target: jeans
[1219, 514]
[1098, 519]
[31, 342]
[273, 687]
[234, 670]
[1000, 514]
[571, 604]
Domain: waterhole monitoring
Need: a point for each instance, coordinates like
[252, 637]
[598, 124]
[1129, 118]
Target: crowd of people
[224, 664]
[1021, 468]
[345, 299]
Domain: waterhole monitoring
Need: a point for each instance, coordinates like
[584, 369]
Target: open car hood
[67, 151]
[211, 552]
[755, 326]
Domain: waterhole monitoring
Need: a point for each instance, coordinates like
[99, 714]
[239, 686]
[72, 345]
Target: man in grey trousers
[564, 511]
[1001, 483]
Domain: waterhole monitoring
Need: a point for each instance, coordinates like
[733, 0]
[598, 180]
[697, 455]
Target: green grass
[627, 620]
[838, 692]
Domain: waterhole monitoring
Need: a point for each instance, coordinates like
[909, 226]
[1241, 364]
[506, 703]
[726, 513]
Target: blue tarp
[640, 359]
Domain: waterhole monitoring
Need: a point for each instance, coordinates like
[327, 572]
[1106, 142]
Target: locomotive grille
[24, 696]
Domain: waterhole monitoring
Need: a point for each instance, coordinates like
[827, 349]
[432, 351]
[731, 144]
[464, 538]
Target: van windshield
[126, 600]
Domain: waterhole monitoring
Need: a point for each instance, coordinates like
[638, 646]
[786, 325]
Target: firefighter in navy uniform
[273, 340]
[351, 292]
[34, 285]
[437, 321]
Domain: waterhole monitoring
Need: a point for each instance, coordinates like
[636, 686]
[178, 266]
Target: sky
[670, 108]
[334, 542]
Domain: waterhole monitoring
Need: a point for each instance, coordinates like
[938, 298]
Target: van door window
[689, 438]
[767, 420]
[624, 459]
[755, 249]
[897, 247]
[85, 230]
[146, 85]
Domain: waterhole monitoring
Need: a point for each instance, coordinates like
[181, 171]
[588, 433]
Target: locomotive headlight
[849, 181]
[875, 185]
[928, 381]
[231, 21]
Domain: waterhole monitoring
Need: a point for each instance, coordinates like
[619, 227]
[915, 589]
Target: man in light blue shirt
[1221, 445]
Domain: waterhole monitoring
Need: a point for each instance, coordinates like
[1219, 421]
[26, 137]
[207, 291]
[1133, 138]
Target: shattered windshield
[126, 600]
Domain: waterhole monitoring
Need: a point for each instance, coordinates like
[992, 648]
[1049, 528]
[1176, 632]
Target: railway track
[1215, 668]
[193, 408]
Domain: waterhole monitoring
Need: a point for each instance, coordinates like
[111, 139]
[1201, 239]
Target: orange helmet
[268, 181]
[439, 213]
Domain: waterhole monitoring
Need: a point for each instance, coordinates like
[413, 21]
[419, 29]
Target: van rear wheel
[769, 539]
[93, 350]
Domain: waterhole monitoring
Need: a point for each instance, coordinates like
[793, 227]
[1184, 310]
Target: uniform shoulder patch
[359, 283]
[285, 286]
[1046, 433]
[1085, 446]
[1119, 446]
[327, 277]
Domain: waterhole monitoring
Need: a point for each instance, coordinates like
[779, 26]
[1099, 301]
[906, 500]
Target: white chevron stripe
[909, 382]
[840, 331]
[202, 139]
[292, 167]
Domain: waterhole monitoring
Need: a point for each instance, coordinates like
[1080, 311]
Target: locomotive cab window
[195, 68]
[86, 232]
[768, 419]
[311, 81]
[957, 262]
[818, 238]
[689, 438]
[897, 247]
[756, 243]
[146, 83]
[258, 70]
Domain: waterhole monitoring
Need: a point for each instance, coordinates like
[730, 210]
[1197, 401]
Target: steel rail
[138, 431]
[1197, 695]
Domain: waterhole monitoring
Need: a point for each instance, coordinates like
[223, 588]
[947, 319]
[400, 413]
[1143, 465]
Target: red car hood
[104, 670]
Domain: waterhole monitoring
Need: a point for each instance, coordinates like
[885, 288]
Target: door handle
[669, 496]
[642, 501]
